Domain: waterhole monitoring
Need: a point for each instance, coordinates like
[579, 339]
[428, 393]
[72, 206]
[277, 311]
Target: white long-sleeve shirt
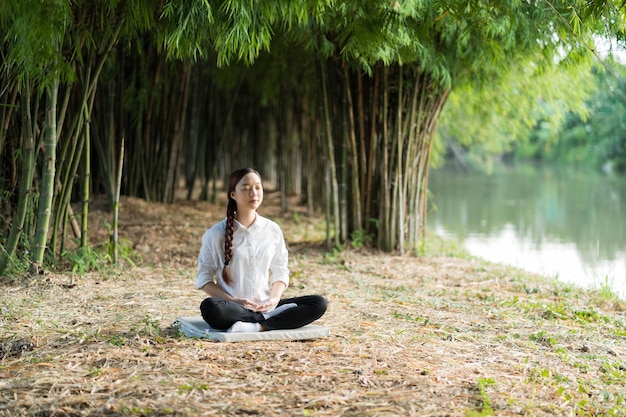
[259, 259]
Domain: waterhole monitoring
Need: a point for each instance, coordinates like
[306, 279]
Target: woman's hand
[250, 305]
[261, 308]
[275, 294]
[269, 305]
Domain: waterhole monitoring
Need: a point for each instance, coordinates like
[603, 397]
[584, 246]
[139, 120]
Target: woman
[242, 266]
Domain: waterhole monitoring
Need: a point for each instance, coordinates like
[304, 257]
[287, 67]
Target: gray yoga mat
[197, 327]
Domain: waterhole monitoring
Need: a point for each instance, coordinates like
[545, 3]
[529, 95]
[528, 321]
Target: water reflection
[557, 223]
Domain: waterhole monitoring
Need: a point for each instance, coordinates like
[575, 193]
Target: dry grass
[410, 336]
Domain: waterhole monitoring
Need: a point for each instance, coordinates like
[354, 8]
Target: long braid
[233, 180]
[228, 239]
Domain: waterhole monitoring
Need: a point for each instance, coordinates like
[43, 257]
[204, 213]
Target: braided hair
[231, 209]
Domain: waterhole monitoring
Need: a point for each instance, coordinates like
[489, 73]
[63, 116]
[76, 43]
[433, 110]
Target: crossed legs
[290, 313]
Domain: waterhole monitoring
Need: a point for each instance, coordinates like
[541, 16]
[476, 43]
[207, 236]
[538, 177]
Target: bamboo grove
[334, 101]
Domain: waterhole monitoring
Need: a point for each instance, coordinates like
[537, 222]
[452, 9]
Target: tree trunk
[177, 140]
[6, 113]
[355, 172]
[194, 167]
[384, 237]
[116, 205]
[399, 165]
[330, 155]
[343, 171]
[67, 166]
[26, 181]
[369, 199]
[47, 178]
[412, 177]
[86, 181]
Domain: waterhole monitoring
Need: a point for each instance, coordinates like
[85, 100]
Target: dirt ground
[410, 336]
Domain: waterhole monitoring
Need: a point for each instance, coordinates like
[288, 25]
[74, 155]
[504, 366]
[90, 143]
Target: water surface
[562, 224]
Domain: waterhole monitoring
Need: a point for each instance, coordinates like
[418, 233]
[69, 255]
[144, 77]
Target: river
[558, 223]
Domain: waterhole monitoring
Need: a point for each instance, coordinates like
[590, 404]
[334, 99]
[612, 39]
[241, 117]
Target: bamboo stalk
[383, 237]
[177, 137]
[399, 166]
[7, 113]
[147, 159]
[422, 109]
[355, 175]
[64, 175]
[309, 168]
[192, 144]
[158, 181]
[282, 121]
[393, 173]
[343, 177]
[431, 130]
[411, 165]
[63, 110]
[85, 180]
[362, 158]
[47, 184]
[116, 205]
[28, 171]
[330, 154]
[64, 208]
[372, 152]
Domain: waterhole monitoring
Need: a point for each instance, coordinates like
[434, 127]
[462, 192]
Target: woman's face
[249, 192]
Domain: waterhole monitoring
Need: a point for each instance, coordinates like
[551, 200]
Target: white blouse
[259, 259]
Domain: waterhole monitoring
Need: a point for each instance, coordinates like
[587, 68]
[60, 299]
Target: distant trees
[606, 144]
[543, 118]
[595, 140]
[335, 101]
[481, 124]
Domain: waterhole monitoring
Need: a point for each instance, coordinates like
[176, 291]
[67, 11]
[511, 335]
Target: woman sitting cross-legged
[242, 266]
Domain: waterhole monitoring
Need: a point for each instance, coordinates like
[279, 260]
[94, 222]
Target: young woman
[242, 266]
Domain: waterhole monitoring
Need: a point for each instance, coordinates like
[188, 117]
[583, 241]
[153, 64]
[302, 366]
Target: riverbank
[421, 336]
[553, 221]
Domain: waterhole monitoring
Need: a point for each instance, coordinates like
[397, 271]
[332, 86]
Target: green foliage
[478, 124]
[435, 245]
[125, 252]
[150, 328]
[86, 259]
[236, 31]
[596, 141]
[360, 238]
[19, 264]
[187, 388]
[543, 338]
[335, 255]
[32, 31]
[187, 28]
[485, 408]
[613, 372]
[117, 340]
[16, 266]
[605, 290]
[409, 317]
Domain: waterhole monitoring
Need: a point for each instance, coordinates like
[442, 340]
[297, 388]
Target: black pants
[220, 314]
